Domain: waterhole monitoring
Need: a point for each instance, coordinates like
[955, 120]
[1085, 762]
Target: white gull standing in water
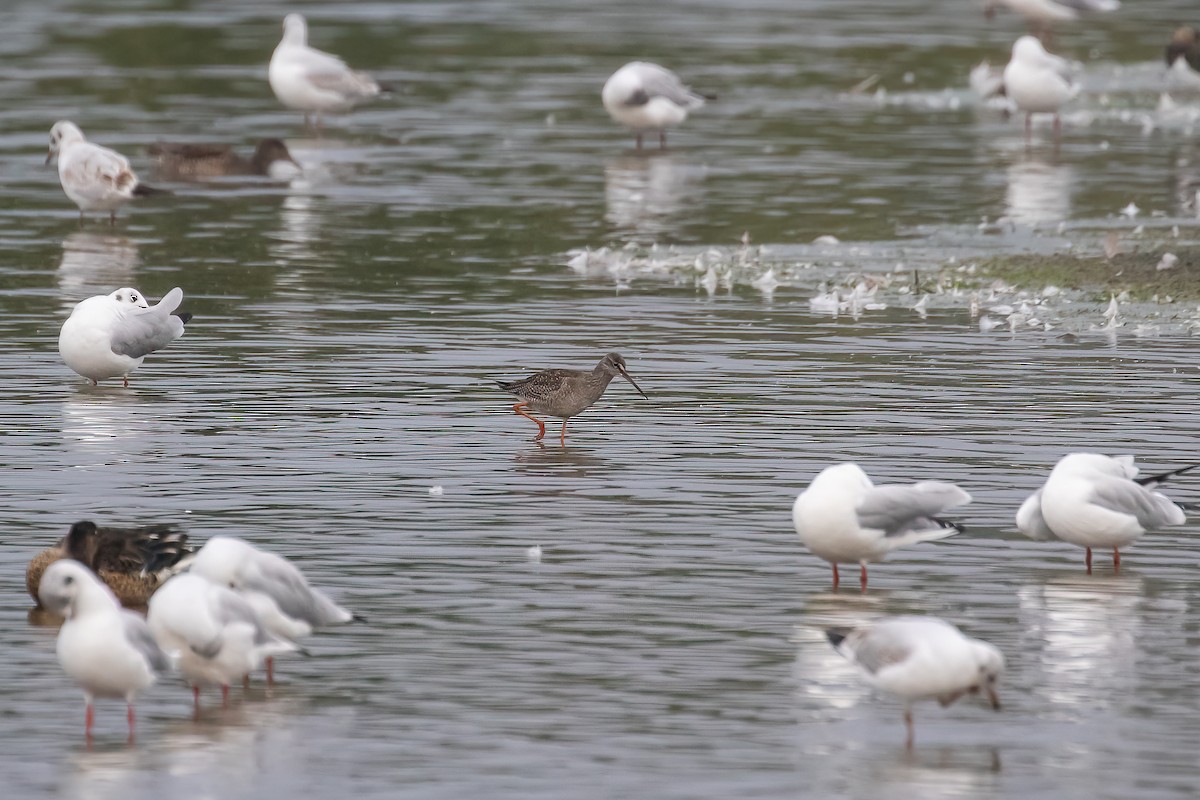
[109, 651]
[277, 591]
[1038, 82]
[1093, 500]
[845, 519]
[921, 658]
[211, 631]
[645, 97]
[109, 335]
[94, 177]
[312, 80]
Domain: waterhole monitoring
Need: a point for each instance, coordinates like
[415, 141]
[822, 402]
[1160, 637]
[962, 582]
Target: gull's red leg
[835, 575]
[1116, 560]
[1087, 559]
[862, 576]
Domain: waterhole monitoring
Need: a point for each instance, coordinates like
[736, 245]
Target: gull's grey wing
[1031, 522]
[137, 632]
[1151, 509]
[284, 584]
[327, 71]
[897, 510]
[143, 330]
[232, 607]
[92, 162]
[878, 647]
[660, 82]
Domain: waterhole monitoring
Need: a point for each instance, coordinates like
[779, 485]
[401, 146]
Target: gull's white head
[1028, 48]
[220, 560]
[295, 29]
[841, 477]
[62, 134]
[130, 297]
[991, 664]
[69, 588]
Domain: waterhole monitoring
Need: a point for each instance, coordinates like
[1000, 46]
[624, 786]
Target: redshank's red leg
[541, 425]
[562, 438]
[1116, 560]
[862, 576]
[835, 576]
[1087, 559]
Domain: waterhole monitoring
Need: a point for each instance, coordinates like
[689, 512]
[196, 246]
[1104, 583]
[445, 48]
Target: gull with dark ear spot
[647, 98]
[280, 595]
[921, 658]
[109, 335]
[844, 518]
[1094, 500]
[107, 650]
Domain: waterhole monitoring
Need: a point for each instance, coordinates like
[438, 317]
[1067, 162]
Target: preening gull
[845, 519]
[645, 98]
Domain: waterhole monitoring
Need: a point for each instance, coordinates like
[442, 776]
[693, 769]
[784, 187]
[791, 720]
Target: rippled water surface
[348, 327]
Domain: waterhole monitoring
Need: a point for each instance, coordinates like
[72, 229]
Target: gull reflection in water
[645, 193]
[825, 681]
[95, 263]
[1082, 634]
[108, 420]
[1039, 192]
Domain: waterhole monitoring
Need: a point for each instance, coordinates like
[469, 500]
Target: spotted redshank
[565, 392]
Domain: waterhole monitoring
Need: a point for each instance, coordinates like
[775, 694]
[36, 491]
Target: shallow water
[667, 644]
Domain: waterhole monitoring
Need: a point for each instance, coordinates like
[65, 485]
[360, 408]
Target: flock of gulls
[218, 613]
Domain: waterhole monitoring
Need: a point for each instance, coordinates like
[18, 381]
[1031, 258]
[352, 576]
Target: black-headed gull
[94, 177]
[845, 519]
[1038, 82]
[921, 658]
[278, 592]
[190, 161]
[107, 650]
[311, 80]
[211, 631]
[1093, 500]
[133, 562]
[108, 336]
[645, 97]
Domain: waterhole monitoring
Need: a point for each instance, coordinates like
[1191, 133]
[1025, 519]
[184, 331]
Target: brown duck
[565, 392]
[132, 561]
[184, 161]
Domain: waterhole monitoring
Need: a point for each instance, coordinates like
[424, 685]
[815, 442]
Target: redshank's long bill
[565, 392]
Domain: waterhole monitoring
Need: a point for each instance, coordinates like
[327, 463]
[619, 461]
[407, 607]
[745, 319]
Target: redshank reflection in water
[565, 392]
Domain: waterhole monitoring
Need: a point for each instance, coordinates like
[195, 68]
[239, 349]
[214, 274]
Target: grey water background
[668, 643]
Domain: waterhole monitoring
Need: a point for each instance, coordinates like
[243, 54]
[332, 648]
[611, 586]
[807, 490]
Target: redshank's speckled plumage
[134, 562]
[566, 392]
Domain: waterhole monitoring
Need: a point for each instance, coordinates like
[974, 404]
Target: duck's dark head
[80, 543]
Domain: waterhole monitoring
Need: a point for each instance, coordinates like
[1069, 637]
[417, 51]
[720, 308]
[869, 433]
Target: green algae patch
[1137, 273]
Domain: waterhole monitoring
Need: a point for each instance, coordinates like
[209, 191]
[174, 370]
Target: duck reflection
[647, 192]
[95, 263]
[1039, 191]
[1085, 630]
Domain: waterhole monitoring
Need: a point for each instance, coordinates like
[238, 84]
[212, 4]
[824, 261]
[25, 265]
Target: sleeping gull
[1094, 500]
[646, 97]
[133, 562]
[1038, 82]
[108, 335]
[845, 519]
[211, 631]
[94, 177]
[921, 658]
[109, 651]
[311, 80]
[278, 592]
